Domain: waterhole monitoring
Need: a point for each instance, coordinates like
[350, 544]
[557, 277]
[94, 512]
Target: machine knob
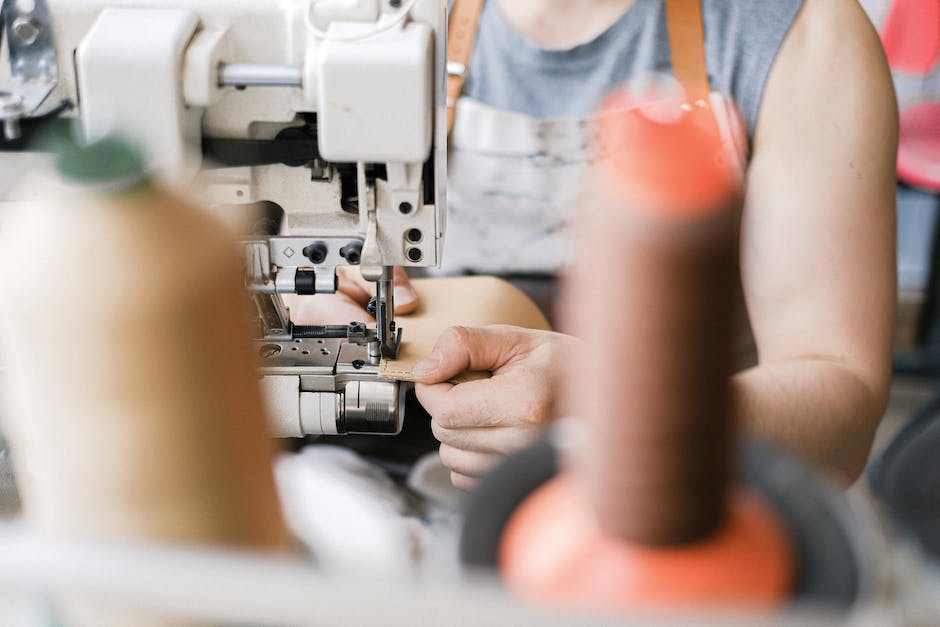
[372, 407]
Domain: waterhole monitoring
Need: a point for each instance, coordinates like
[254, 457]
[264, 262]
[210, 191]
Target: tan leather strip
[461, 35]
[687, 46]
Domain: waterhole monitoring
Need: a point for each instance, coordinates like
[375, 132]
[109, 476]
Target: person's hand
[479, 422]
[348, 304]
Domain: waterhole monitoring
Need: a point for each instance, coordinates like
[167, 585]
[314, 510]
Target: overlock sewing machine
[331, 111]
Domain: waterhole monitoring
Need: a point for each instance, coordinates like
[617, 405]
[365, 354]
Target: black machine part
[829, 562]
[907, 477]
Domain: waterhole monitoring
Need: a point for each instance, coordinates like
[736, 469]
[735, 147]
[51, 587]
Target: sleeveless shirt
[509, 71]
[523, 132]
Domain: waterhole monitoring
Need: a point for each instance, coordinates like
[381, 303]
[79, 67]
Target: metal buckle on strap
[456, 68]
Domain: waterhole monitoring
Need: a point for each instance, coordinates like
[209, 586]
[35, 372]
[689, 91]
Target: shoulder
[742, 39]
[831, 66]
[766, 13]
[824, 26]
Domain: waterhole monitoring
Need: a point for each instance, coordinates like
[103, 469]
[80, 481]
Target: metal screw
[352, 252]
[11, 108]
[358, 364]
[26, 30]
[316, 252]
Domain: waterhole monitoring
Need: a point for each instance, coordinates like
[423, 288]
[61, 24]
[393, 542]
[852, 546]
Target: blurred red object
[553, 550]
[919, 148]
[911, 39]
[911, 35]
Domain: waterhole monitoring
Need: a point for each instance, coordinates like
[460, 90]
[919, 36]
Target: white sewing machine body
[333, 110]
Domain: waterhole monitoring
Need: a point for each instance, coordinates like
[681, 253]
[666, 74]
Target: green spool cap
[109, 160]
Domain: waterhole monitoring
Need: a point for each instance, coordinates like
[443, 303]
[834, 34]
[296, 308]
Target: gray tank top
[509, 71]
[524, 131]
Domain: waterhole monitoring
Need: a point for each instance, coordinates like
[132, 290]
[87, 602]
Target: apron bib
[514, 182]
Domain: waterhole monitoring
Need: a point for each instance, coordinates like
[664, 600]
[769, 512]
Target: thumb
[406, 298]
[460, 349]
[361, 290]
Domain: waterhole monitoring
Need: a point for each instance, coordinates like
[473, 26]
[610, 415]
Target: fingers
[459, 349]
[354, 286]
[468, 463]
[489, 440]
[406, 298]
[463, 482]
[501, 401]
[360, 290]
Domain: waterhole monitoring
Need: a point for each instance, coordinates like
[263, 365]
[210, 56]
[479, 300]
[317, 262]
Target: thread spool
[644, 514]
[136, 413]
[663, 218]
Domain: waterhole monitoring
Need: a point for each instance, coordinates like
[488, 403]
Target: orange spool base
[554, 552]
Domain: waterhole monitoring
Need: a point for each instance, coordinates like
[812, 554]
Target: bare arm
[818, 258]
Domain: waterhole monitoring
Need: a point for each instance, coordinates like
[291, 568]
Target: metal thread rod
[385, 313]
[256, 75]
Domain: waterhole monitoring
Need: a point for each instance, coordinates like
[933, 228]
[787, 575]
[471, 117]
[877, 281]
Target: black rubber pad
[907, 477]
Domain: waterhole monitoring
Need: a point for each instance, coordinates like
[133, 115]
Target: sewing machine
[331, 111]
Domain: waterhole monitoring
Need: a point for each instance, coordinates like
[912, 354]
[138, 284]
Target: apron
[514, 183]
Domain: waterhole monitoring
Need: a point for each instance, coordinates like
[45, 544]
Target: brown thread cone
[653, 297]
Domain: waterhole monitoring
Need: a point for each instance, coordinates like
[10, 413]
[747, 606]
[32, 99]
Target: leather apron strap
[687, 46]
[683, 23]
[461, 36]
